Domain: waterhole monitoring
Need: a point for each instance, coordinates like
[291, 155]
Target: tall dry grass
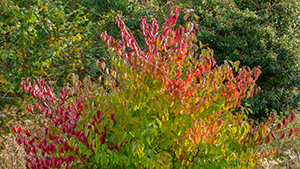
[12, 156]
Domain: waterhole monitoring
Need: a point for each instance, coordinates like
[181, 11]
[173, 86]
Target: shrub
[65, 137]
[172, 108]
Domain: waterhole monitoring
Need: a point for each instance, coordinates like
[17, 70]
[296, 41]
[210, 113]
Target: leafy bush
[61, 140]
[171, 108]
[43, 40]
[40, 41]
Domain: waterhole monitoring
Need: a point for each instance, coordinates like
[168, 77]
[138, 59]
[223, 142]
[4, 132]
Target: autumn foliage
[166, 104]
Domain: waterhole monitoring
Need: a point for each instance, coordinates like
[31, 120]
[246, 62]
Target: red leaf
[197, 73]
[113, 117]
[278, 126]
[281, 135]
[220, 122]
[14, 129]
[23, 85]
[213, 61]
[178, 73]
[273, 135]
[117, 147]
[75, 125]
[284, 122]
[291, 118]
[122, 25]
[110, 147]
[290, 133]
[46, 130]
[19, 130]
[267, 139]
[230, 84]
[177, 36]
[27, 133]
[34, 150]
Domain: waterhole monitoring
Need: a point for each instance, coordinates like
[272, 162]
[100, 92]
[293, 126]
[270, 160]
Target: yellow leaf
[194, 108]
[273, 150]
[196, 16]
[201, 109]
[255, 137]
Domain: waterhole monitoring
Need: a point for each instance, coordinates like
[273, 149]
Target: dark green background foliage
[257, 33]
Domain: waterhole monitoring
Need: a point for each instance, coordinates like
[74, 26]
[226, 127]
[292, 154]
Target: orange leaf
[170, 41]
[102, 65]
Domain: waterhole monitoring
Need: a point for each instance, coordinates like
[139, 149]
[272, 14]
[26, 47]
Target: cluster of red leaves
[62, 118]
[285, 122]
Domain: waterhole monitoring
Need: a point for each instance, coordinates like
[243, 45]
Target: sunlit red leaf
[19, 130]
[291, 118]
[197, 73]
[14, 129]
[178, 73]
